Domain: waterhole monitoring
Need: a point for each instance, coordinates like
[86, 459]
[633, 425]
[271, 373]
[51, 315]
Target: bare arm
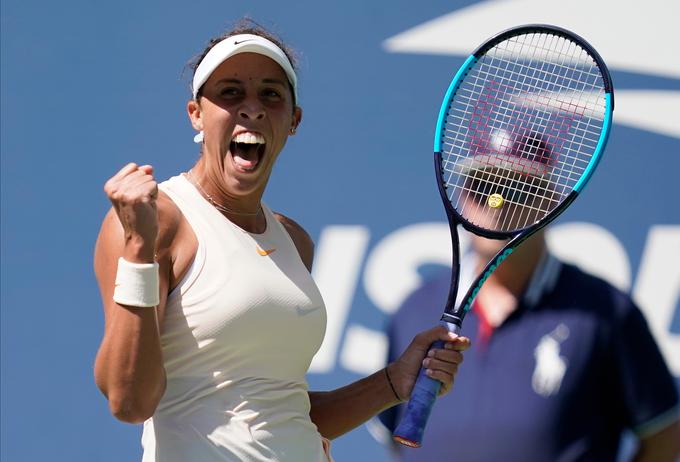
[662, 446]
[339, 411]
[129, 367]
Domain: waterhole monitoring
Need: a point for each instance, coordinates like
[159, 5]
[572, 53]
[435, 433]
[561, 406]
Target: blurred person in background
[561, 363]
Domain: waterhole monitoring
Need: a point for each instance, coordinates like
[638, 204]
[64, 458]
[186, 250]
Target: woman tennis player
[212, 317]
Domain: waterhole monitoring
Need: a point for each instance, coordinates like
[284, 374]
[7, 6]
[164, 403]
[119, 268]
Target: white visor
[243, 43]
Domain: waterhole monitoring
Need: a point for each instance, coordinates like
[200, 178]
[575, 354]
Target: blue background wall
[88, 86]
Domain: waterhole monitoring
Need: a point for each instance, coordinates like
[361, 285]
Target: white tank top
[238, 336]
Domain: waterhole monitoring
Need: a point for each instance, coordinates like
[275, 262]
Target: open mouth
[247, 149]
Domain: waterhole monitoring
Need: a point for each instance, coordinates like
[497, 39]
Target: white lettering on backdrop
[391, 274]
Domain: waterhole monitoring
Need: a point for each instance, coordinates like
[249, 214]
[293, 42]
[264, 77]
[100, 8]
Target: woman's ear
[195, 115]
[297, 118]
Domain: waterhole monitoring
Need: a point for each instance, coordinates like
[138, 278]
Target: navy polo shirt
[560, 379]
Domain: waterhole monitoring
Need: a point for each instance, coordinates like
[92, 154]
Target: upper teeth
[249, 138]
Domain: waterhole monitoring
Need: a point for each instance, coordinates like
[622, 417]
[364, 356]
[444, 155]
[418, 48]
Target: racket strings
[523, 85]
[531, 209]
[586, 139]
[520, 130]
[565, 104]
[586, 136]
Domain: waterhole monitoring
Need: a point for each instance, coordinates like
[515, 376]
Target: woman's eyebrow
[229, 80]
[274, 81]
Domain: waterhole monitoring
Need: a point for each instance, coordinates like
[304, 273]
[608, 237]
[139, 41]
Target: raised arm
[129, 367]
[339, 411]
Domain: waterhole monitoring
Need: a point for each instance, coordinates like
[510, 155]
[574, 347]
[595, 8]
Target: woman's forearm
[129, 367]
[339, 411]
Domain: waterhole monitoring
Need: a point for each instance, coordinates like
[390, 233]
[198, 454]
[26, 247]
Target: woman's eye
[272, 94]
[229, 91]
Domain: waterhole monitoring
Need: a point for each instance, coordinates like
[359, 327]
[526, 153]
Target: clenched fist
[133, 192]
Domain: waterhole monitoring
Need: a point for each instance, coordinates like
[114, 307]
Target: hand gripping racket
[521, 129]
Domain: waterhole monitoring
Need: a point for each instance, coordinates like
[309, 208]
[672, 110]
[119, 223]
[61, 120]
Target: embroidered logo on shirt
[304, 312]
[264, 252]
[550, 366]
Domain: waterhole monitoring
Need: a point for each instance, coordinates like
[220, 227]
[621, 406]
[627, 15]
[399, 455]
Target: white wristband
[137, 284]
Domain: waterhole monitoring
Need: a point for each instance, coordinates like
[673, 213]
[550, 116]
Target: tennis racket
[521, 129]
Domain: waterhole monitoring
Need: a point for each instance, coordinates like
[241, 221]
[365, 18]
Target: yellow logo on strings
[495, 201]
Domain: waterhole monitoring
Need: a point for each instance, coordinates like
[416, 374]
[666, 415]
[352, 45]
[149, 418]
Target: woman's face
[246, 114]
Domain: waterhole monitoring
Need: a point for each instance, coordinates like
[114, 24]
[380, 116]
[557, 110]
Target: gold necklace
[216, 204]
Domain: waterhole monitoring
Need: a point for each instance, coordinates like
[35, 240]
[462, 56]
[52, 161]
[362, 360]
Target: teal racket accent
[602, 143]
[452, 89]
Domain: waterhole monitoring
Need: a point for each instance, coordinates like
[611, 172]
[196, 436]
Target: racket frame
[411, 428]
[453, 314]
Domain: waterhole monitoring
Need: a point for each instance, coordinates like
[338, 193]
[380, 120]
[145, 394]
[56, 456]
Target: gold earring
[292, 130]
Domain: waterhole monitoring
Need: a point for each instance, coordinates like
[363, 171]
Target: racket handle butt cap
[405, 442]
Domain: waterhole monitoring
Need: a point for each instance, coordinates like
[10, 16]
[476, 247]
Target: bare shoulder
[302, 240]
[169, 222]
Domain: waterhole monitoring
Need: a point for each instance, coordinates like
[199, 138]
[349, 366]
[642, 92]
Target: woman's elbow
[131, 401]
[135, 406]
[130, 410]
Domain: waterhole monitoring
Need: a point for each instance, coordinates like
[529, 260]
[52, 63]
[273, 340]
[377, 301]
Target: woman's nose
[252, 110]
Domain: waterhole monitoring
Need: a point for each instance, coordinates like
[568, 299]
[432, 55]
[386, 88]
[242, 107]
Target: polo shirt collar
[543, 279]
